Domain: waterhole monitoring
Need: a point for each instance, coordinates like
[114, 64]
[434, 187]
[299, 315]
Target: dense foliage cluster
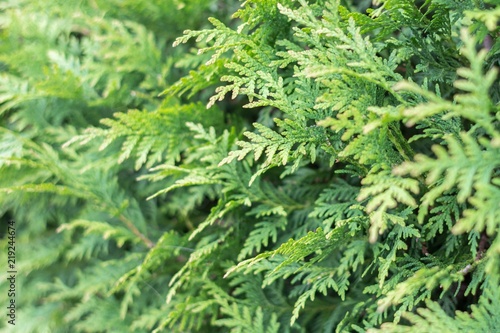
[289, 166]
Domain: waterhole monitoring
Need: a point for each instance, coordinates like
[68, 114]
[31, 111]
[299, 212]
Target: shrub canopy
[292, 166]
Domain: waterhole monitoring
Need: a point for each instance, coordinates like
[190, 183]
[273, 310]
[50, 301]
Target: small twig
[149, 243]
[482, 246]
[466, 269]
[189, 224]
[425, 250]
[488, 42]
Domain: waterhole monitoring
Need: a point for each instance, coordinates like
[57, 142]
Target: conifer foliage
[288, 166]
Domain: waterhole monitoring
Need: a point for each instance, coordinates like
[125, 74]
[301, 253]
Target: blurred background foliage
[65, 66]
